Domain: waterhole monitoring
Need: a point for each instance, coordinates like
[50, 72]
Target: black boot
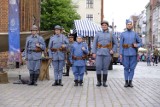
[130, 83]
[80, 83]
[76, 82]
[98, 80]
[126, 83]
[105, 80]
[35, 79]
[60, 83]
[67, 73]
[55, 83]
[31, 79]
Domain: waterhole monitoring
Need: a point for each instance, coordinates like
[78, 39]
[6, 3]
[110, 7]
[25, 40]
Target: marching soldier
[33, 51]
[57, 48]
[102, 50]
[129, 44]
[68, 65]
[79, 53]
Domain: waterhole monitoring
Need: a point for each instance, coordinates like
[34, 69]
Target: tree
[57, 12]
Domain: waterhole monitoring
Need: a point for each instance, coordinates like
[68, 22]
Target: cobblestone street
[145, 93]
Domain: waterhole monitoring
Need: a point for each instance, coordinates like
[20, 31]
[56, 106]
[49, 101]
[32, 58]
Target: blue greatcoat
[103, 57]
[34, 58]
[58, 57]
[78, 66]
[129, 55]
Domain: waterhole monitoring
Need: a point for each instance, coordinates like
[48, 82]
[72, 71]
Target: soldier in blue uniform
[79, 54]
[57, 48]
[104, 45]
[33, 51]
[129, 44]
[68, 64]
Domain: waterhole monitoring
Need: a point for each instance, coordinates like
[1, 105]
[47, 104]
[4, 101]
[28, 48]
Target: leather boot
[76, 82]
[67, 73]
[35, 79]
[80, 83]
[60, 83]
[98, 80]
[126, 83]
[130, 83]
[55, 83]
[31, 79]
[105, 80]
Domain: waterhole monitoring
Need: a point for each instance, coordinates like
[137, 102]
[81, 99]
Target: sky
[120, 10]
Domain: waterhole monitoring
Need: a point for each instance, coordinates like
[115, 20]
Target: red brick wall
[3, 15]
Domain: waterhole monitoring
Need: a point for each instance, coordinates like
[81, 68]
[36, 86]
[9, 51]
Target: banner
[14, 30]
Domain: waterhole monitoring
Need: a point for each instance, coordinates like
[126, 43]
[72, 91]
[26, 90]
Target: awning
[86, 28]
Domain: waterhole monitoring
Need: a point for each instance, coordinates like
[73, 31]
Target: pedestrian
[79, 54]
[155, 54]
[104, 44]
[129, 44]
[57, 49]
[68, 64]
[148, 58]
[33, 51]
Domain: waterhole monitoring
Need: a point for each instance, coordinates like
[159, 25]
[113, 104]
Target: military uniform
[129, 54]
[78, 59]
[68, 64]
[102, 47]
[57, 53]
[33, 55]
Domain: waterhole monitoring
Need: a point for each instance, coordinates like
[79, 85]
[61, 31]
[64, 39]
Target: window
[89, 3]
[89, 17]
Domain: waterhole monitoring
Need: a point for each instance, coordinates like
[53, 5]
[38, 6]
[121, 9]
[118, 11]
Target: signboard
[14, 30]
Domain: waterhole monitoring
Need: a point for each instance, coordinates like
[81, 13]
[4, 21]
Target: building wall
[3, 15]
[148, 40]
[29, 14]
[96, 10]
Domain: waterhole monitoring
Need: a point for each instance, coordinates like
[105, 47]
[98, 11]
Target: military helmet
[34, 28]
[105, 22]
[70, 36]
[58, 27]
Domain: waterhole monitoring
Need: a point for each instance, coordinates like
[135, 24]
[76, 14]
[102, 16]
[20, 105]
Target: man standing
[79, 53]
[68, 65]
[33, 51]
[129, 44]
[57, 48]
[155, 54]
[104, 45]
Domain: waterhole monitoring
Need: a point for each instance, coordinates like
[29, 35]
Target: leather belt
[106, 46]
[37, 50]
[58, 49]
[79, 58]
[127, 45]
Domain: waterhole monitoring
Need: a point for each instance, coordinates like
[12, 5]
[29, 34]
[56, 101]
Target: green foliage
[57, 12]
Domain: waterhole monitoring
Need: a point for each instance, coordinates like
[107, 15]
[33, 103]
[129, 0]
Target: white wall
[96, 10]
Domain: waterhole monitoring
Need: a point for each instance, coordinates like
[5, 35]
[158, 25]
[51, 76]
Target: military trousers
[129, 63]
[78, 72]
[58, 69]
[102, 64]
[34, 66]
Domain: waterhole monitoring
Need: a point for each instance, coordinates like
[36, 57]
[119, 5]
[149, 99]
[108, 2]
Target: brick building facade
[3, 15]
[29, 14]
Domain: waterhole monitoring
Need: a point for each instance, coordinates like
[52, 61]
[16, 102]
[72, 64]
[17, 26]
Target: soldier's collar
[107, 31]
[34, 36]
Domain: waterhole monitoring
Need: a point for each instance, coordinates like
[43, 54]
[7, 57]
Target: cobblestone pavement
[145, 93]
